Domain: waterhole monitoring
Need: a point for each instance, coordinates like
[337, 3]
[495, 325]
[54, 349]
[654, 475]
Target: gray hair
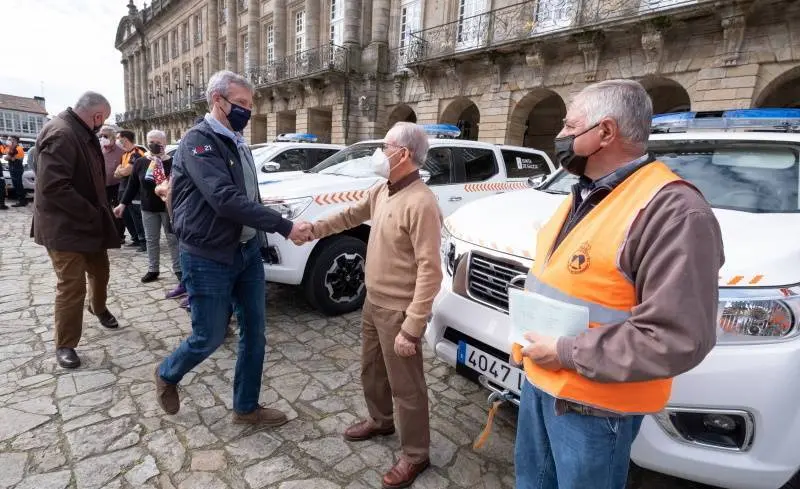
[625, 101]
[413, 137]
[156, 134]
[91, 101]
[108, 131]
[220, 83]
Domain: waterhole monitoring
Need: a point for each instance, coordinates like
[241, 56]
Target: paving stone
[96, 439]
[14, 422]
[310, 483]
[209, 460]
[53, 480]
[327, 450]
[142, 472]
[167, 448]
[271, 471]
[96, 472]
[199, 436]
[12, 466]
[257, 446]
[205, 480]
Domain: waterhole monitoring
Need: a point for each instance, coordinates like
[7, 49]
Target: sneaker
[150, 277]
[166, 394]
[261, 416]
[177, 292]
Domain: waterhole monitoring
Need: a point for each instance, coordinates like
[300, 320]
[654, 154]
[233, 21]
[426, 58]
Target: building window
[185, 37]
[198, 29]
[242, 5]
[337, 22]
[164, 49]
[246, 52]
[269, 34]
[471, 23]
[174, 38]
[299, 31]
[410, 17]
[223, 15]
[154, 55]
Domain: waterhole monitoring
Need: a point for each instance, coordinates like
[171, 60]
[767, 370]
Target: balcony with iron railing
[530, 21]
[312, 63]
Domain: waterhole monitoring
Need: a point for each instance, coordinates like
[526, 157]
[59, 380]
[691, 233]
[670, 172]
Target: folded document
[534, 312]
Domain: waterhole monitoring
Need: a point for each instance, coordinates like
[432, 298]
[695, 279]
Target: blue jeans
[212, 286]
[570, 451]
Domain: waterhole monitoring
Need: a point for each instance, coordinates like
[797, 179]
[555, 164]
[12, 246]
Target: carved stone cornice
[590, 44]
[733, 18]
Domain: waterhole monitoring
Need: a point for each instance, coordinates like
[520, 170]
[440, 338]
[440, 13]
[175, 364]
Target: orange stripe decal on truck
[495, 187]
[339, 197]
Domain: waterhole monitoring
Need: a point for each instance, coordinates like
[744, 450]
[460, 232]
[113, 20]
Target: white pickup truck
[734, 420]
[331, 271]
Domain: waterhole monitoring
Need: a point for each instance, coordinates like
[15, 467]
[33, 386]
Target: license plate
[494, 369]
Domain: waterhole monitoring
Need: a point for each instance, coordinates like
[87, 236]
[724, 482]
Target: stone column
[253, 34]
[143, 78]
[213, 38]
[137, 68]
[126, 82]
[312, 23]
[232, 38]
[352, 22]
[279, 30]
[380, 21]
[376, 55]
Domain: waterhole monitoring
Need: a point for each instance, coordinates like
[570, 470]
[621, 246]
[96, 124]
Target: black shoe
[67, 358]
[107, 319]
[3, 207]
[20, 204]
[179, 275]
[134, 244]
[142, 248]
[150, 277]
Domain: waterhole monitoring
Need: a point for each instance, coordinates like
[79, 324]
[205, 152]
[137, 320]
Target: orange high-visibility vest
[584, 270]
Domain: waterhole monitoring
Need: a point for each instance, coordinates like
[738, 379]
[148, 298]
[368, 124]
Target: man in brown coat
[72, 218]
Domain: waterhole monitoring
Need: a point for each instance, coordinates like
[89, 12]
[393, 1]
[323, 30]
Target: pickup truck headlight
[289, 208]
[448, 251]
[769, 317]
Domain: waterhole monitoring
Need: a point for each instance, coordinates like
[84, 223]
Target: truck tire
[334, 279]
[794, 483]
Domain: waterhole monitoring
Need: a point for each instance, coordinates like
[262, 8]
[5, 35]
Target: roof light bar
[765, 120]
[296, 137]
[441, 130]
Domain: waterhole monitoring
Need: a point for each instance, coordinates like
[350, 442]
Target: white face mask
[9, 142]
[104, 141]
[380, 163]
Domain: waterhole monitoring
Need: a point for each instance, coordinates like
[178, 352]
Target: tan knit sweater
[404, 270]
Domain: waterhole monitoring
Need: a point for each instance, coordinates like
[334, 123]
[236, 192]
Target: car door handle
[454, 199]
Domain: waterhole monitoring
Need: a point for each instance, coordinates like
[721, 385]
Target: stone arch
[782, 92]
[464, 113]
[536, 120]
[401, 113]
[667, 95]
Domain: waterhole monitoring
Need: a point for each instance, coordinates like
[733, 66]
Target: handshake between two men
[302, 232]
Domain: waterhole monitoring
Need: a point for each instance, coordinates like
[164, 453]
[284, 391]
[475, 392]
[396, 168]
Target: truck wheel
[334, 282]
[794, 483]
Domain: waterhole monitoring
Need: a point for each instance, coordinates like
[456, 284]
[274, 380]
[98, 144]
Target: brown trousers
[72, 270]
[385, 375]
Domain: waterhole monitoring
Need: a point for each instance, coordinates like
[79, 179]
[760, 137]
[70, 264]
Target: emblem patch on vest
[579, 261]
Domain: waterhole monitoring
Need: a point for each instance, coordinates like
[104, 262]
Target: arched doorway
[465, 114]
[536, 120]
[667, 95]
[782, 92]
[401, 113]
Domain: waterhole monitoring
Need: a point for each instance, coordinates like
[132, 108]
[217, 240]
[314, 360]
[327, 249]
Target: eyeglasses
[386, 146]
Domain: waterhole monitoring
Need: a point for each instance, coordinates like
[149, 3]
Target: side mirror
[270, 167]
[534, 182]
[424, 175]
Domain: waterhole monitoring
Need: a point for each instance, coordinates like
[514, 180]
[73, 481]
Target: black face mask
[565, 153]
[238, 117]
[155, 148]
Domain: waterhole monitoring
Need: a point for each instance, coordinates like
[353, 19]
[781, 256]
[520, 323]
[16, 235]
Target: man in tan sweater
[403, 275]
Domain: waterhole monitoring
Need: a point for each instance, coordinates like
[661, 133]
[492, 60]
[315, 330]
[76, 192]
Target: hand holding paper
[546, 317]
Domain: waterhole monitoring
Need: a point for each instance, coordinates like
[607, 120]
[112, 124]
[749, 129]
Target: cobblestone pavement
[100, 426]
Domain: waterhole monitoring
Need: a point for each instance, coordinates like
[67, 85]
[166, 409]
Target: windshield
[746, 176]
[352, 161]
[264, 154]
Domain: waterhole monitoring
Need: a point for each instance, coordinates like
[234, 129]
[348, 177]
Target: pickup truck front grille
[488, 280]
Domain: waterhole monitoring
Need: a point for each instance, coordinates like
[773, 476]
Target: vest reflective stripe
[598, 313]
[584, 269]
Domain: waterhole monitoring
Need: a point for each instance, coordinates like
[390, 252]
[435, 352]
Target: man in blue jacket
[220, 223]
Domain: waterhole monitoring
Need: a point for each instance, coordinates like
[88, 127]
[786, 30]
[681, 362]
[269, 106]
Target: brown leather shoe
[166, 394]
[403, 474]
[364, 430]
[261, 416]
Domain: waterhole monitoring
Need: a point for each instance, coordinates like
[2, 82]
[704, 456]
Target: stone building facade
[502, 70]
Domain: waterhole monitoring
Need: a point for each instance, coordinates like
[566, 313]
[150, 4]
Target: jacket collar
[70, 114]
[220, 129]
